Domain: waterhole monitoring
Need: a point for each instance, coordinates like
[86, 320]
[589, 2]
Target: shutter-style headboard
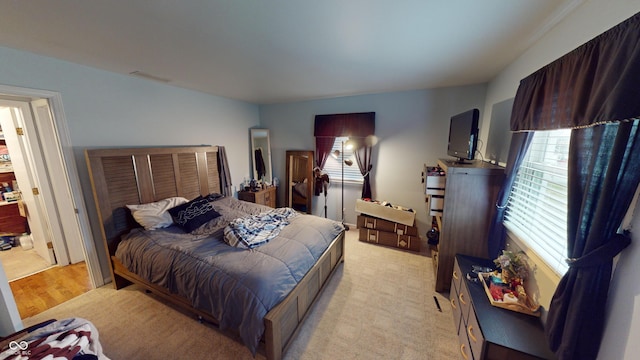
[130, 176]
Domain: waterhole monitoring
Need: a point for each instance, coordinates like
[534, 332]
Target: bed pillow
[154, 215]
[193, 214]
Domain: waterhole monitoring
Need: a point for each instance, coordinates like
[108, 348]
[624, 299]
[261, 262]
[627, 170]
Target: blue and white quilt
[255, 230]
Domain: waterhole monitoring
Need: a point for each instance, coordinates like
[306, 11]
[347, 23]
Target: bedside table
[262, 196]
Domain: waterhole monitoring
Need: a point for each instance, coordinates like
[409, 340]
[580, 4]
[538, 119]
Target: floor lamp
[348, 162]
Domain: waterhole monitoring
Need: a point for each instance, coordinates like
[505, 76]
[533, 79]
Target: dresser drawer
[263, 196]
[474, 334]
[465, 302]
[455, 306]
[269, 198]
[464, 350]
[260, 198]
[456, 277]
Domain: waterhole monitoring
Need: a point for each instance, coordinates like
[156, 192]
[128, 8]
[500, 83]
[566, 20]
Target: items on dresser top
[486, 331]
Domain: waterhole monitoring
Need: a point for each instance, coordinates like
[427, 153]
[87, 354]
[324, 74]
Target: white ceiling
[272, 51]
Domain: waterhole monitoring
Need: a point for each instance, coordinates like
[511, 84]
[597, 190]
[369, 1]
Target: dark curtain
[593, 90]
[604, 173]
[363, 158]
[520, 142]
[323, 149]
[356, 126]
[595, 83]
[352, 125]
[225, 173]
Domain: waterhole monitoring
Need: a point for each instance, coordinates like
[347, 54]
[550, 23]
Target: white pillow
[155, 215]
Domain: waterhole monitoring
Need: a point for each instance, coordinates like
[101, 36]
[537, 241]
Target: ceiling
[277, 51]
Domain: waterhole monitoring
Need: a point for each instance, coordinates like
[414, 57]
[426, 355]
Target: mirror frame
[266, 156]
[309, 175]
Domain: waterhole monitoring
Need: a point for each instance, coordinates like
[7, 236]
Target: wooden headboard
[141, 175]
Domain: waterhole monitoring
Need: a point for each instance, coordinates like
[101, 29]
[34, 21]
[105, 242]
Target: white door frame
[57, 190]
[58, 129]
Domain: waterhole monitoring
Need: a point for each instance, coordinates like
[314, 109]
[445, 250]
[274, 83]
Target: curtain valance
[596, 83]
[352, 125]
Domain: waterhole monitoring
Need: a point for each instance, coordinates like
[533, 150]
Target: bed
[122, 177]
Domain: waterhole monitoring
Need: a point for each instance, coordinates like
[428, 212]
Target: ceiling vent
[149, 76]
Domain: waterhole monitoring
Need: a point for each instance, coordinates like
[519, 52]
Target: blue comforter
[237, 286]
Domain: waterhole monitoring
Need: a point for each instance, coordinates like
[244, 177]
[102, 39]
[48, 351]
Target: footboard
[282, 322]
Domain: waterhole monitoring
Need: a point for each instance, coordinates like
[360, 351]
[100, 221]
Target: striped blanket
[252, 231]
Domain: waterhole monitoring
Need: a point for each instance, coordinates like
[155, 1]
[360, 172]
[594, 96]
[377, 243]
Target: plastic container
[26, 242]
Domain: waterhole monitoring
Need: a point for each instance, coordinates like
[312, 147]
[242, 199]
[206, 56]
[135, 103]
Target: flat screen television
[463, 135]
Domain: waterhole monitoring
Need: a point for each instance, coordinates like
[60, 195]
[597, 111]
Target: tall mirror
[261, 155]
[299, 186]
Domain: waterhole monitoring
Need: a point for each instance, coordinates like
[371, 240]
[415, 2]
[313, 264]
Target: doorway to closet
[55, 222]
[25, 240]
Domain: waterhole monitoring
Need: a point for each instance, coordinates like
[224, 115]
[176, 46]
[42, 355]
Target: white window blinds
[537, 208]
[333, 165]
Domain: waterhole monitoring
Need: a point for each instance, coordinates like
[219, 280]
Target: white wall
[9, 314]
[412, 129]
[587, 21]
[105, 109]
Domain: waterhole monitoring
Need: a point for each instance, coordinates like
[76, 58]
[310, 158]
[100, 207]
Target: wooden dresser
[470, 192]
[11, 222]
[486, 331]
[263, 196]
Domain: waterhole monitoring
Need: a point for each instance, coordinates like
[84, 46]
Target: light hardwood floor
[46, 289]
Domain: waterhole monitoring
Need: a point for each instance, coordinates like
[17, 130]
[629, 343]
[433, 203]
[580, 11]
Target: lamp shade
[348, 145]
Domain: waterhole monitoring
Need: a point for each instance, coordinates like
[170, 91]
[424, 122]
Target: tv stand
[459, 161]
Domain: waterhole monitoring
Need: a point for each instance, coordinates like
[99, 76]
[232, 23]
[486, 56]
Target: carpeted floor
[379, 305]
[18, 263]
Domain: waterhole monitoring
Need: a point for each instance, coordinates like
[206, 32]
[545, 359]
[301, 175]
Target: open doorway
[51, 191]
[18, 255]
[25, 238]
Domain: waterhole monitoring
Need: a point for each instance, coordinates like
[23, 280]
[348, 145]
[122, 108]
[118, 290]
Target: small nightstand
[263, 196]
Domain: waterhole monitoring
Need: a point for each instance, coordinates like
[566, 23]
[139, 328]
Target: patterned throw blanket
[73, 338]
[253, 231]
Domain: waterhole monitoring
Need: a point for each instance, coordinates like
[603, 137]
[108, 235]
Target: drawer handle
[453, 303]
[464, 352]
[461, 296]
[470, 332]
[455, 275]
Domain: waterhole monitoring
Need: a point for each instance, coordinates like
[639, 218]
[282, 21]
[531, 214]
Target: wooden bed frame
[126, 176]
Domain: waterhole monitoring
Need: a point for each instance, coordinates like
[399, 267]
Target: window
[537, 208]
[333, 167]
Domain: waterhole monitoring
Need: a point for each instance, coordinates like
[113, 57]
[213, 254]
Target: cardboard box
[405, 242]
[394, 214]
[368, 222]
